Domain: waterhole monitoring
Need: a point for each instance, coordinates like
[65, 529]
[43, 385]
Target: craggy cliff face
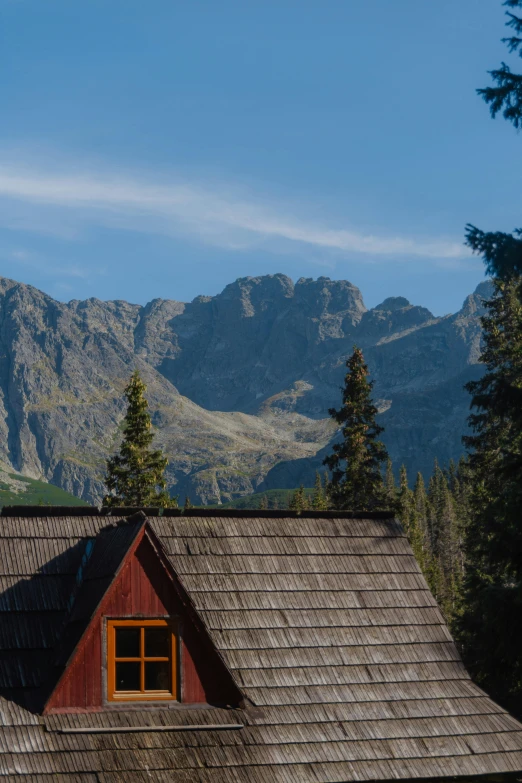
[239, 384]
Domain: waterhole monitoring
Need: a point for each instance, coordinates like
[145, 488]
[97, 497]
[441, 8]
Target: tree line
[435, 516]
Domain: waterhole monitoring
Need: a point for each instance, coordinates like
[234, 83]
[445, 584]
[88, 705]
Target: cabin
[231, 647]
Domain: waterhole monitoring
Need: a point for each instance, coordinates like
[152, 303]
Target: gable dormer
[132, 635]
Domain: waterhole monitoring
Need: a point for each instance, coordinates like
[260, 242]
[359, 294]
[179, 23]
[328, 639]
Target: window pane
[127, 642]
[157, 642]
[128, 676]
[157, 676]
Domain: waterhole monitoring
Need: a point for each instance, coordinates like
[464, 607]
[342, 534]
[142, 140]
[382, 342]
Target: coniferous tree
[436, 508]
[493, 594]
[389, 485]
[447, 551]
[298, 501]
[188, 503]
[136, 475]
[421, 503]
[405, 500]
[319, 496]
[507, 95]
[423, 548]
[489, 629]
[461, 490]
[445, 545]
[263, 503]
[413, 515]
[502, 252]
[356, 463]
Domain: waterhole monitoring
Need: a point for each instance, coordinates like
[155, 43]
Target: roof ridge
[202, 511]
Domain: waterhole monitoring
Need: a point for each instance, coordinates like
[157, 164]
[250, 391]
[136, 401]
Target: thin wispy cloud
[218, 215]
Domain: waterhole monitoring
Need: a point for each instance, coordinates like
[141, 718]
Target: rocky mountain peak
[239, 384]
[323, 297]
[247, 295]
[474, 303]
[393, 303]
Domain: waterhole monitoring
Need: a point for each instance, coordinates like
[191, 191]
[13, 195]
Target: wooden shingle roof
[346, 666]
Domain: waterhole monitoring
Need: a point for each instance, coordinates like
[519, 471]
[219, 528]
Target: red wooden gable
[145, 586]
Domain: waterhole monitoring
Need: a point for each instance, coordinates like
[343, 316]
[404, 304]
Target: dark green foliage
[263, 503]
[433, 522]
[188, 503]
[276, 499]
[389, 484]
[439, 509]
[444, 526]
[298, 501]
[412, 511]
[490, 630]
[507, 95]
[418, 534]
[502, 252]
[135, 476]
[356, 463]
[320, 493]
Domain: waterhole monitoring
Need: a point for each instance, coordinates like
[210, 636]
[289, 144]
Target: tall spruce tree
[320, 493]
[405, 500]
[438, 499]
[502, 252]
[298, 500]
[423, 549]
[357, 460]
[135, 476]
[389, 484]
[489, 628]
[412, 513]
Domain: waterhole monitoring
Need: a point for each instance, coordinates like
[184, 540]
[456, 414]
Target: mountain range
[239, 384]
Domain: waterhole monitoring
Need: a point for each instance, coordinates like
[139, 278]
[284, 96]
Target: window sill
[151, 696]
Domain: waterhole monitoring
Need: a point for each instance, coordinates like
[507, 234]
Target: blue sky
[165, 148]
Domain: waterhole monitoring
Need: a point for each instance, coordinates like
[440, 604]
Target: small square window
[141, 660]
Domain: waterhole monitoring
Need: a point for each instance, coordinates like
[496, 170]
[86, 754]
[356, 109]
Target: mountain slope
[239, 384]
[18, 490]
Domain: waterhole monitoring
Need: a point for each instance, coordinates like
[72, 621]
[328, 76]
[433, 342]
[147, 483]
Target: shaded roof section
[102, 560]
[327, 626]
[43, 563]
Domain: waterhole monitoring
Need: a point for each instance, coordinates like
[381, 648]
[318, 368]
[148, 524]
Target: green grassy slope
[18, 490]
[276, 498]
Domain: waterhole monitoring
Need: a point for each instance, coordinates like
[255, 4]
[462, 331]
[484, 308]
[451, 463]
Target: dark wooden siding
[142, 588]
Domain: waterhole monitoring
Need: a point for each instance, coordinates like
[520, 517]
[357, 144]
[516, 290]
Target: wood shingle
[345, 666]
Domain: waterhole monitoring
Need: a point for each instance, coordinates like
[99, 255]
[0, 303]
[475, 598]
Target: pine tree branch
[502, 253]
[513, 43]
[507, 96]
[515, 22]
